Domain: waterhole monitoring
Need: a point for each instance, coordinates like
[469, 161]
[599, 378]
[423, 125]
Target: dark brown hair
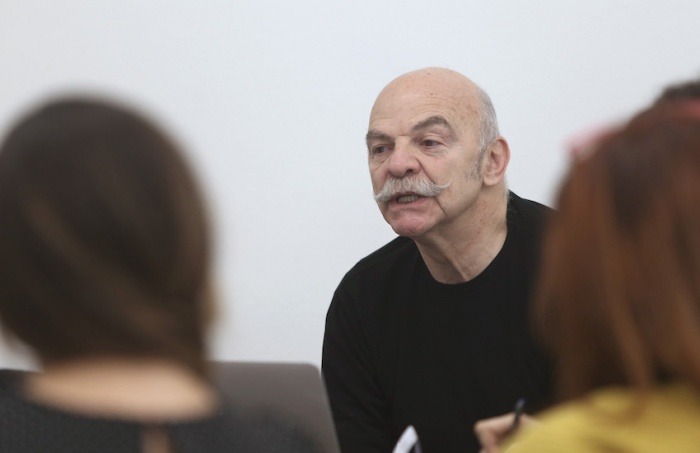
[619, 294]
[104, 248]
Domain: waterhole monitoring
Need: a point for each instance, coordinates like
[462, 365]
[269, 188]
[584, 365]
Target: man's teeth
[407, 198]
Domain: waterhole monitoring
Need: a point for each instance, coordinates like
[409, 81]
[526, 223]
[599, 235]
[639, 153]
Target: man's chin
[408, 230]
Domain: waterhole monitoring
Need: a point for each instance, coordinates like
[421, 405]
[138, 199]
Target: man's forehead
[416, 102]
[408, 114]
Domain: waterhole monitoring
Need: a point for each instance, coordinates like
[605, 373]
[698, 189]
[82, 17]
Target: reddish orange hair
[618, 299]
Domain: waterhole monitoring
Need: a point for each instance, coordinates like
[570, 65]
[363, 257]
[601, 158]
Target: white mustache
[419, 186]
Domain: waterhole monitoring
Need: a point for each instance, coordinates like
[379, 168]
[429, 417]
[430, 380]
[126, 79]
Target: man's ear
[495, 162]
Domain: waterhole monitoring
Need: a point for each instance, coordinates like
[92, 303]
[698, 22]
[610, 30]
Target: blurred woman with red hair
[618, 302]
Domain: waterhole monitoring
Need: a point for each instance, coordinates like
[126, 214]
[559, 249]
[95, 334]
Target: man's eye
[430, 143]
[379, 149]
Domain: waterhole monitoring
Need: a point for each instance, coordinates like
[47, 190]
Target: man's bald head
[444, 85]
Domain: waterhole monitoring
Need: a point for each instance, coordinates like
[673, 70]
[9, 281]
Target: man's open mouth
[408, 198]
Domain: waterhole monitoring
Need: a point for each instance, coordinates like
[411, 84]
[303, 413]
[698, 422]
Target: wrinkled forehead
[416, 98]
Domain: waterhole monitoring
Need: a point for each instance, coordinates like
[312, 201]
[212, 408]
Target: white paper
[407, 441]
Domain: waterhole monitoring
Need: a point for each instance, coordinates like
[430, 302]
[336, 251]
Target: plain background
[271, 100]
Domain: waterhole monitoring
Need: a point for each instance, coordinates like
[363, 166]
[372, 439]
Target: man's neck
[463, 251]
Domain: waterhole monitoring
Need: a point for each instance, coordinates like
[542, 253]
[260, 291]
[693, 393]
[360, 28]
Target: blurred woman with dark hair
[619, 296]
[104, 273]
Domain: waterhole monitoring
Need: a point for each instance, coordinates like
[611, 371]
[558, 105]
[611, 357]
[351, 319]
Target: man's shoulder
[528, 206]
[386, 257]
[530, 215]
[374, 282]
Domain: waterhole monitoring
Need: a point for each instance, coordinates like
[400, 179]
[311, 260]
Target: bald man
[431, 330]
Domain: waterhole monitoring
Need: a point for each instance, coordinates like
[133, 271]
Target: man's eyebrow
[433, 121]
[436, 120]
[374, 134]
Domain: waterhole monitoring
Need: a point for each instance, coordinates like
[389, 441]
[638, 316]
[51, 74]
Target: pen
[518, 411]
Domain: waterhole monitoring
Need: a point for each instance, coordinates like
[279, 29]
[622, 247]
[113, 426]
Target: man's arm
[360, 408]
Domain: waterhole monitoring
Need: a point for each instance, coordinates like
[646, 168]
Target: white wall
[271, 98]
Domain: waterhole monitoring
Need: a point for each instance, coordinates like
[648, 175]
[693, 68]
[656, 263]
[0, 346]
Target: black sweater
[402, 349]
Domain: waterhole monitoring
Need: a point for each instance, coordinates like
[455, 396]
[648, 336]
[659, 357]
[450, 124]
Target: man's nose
[403, 161]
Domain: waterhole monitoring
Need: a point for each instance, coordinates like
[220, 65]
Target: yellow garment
[601, 422]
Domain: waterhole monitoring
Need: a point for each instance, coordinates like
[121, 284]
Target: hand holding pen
[492, 432]
[517, 415]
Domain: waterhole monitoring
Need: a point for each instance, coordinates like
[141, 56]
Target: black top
[402, 349]
[27, 426]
